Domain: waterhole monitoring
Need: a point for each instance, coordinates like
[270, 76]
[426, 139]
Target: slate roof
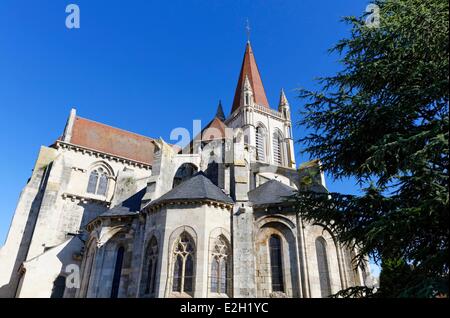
[271, 192]
[220, 114]
[318, 188]
[274, 192]
[130, 206]
[198, 187]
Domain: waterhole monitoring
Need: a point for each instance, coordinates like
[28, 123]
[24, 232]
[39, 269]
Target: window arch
[261, 149]
[183, 173]
[117, 272]
[151, 264]
[322, 263]
[87, 270]
[220, 267]
[99, 181]
[184, 264]
[212, 171]
[278, 148]
[276, 263]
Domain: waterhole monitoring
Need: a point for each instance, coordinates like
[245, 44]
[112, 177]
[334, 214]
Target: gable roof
[198, 187]
[103, 138]
[214, 130]
[271, 192]
[250, 69]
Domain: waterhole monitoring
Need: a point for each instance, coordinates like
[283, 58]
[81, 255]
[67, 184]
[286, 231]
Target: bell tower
[267, 132]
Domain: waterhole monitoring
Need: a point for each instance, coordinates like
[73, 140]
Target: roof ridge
[114, 127]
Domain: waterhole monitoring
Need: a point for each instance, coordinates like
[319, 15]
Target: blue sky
[148, 67]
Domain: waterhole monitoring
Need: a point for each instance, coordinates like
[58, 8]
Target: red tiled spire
[250, 69]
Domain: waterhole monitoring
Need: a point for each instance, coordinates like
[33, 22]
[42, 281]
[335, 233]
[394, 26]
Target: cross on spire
[248, 29]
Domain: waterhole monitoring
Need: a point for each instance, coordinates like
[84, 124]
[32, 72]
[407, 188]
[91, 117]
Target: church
[108, 213]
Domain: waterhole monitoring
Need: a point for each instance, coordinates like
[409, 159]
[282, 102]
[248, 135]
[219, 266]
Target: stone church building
[109, 213]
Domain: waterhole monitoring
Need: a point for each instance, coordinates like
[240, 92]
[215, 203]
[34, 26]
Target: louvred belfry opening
[250, 69]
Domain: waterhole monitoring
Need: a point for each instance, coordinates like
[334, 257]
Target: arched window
[177, 273]
[215, 275]
[183, 269]
[212, 172]
[117, 272]
[276, 263]
[59, 286]
[98, 182]
[87, 270]
[261, 143]
[184, 172]
[322, 263]
[220, 277]
[278, 149]
[152, 261]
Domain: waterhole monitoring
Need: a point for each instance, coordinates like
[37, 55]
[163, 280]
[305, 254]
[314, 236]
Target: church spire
[220, 114]
[283, 106]
[250, 69]
[283, 100]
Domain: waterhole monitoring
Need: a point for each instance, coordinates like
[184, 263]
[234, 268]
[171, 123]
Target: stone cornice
[173, 203]
[104, 155]
[85, 199]
[259, 109]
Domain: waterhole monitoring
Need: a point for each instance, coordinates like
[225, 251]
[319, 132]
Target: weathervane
[247, 27]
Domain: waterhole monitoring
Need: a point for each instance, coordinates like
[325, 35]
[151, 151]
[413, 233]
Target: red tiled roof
[250, 69]
[214, 130]
[114, 141]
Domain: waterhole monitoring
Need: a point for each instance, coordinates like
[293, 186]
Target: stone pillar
[244, 283]
[305, 286]
[136, 258]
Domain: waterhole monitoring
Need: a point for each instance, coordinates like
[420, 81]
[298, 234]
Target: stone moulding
[83, 199]
[93, 152]
[153, 208]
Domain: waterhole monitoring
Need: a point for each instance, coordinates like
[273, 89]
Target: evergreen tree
[383, 119]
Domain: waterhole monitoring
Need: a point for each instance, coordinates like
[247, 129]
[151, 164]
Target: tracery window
[98, 182]
[220, 269]
[152, 261]
[183, 268]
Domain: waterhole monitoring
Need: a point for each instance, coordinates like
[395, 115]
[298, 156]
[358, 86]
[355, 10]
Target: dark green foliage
[384, 120]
